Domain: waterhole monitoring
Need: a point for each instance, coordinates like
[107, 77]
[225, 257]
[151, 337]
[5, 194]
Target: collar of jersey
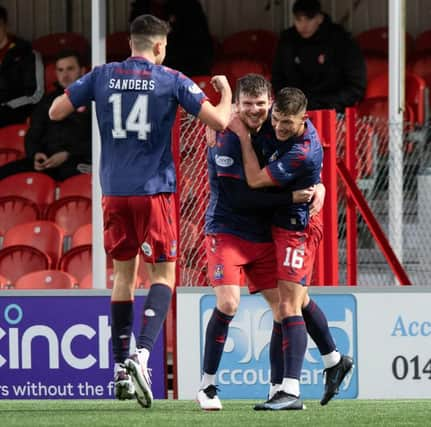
[138, 58]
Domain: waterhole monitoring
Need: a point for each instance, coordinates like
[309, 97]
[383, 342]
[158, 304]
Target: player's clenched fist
[220, 83]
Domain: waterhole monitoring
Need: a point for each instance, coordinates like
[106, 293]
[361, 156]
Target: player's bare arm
[318, 199]
[217, 117]
[256, 177]
[304, 195]
[61, 108]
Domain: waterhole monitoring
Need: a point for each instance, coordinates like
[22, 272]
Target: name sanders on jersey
[131, 84]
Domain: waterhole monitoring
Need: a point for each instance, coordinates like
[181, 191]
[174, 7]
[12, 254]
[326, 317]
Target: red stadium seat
[15, 261]
[16, 210]
[12, 136]
[8, 155]
[204, 83]
[377, 110]
[43, 235]
[46, 279]
[421, 65]
[87, 281]
[82, 236]
[234, 68]
[77, 261]
[415, 93]
[376, 42]
[77, 185]
[5, 283]
[117, 46]
[375, 66]
[37, 187]
[423, 43]
[50, 77]
[70, 213]
[50, 45]
[258, 45]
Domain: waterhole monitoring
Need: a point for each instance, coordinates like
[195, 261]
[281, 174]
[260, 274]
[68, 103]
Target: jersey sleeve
[227, 156]
[189, 94]
[81, 92]
[289, 166]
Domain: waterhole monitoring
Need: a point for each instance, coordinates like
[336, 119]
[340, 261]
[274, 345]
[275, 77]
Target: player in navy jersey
[238, 234]
[296, 162]
[136, 102]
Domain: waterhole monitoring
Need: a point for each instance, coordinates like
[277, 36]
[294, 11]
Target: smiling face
[287, 125]
[253, 110]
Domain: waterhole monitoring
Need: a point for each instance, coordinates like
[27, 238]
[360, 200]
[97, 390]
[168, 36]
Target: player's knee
[289, 308]
[228, 306]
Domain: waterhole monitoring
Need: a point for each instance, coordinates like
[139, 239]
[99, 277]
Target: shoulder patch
[195, 89]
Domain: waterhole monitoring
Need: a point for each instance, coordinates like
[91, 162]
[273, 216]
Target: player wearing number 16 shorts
[136, 103]
[295, 160]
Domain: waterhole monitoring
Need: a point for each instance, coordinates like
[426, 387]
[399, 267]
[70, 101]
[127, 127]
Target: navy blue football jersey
[225, 160]
[296, 163]
[136, 104]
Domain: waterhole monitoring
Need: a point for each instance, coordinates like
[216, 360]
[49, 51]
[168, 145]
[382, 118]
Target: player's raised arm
[61, 107]
[217, 117]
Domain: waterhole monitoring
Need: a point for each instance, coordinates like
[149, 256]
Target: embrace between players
[269, 236]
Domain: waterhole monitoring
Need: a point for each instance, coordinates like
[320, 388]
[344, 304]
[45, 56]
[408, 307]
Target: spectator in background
[56, 148]
[21, 76]
[152, 7]
[188, 23]
[320, 58]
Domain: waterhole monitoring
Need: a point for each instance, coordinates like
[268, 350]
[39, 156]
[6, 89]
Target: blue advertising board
[244, 370]
[59, 347]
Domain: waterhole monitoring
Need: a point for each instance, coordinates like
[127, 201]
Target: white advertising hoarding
[385, 331]
[394, 345]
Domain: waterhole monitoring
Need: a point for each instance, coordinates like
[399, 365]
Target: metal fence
[374, 167]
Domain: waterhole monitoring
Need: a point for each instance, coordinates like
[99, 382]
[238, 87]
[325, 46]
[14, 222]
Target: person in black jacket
[21, 76]
[58, 148]
[320, 58]
[188, 23]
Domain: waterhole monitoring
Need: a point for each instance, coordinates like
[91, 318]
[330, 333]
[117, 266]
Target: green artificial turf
[80, 413]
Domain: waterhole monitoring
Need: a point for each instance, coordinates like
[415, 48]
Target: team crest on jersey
[195, 89]
[218, 272]
[146, 249]
[281, 167]
[174, 248]
[273, 157]
[223, 161]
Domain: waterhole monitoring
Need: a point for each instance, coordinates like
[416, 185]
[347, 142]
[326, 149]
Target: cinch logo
[66, 347]
[244, 370]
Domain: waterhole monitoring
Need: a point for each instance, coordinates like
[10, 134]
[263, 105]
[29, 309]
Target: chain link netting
[389, 184]
[374, 167]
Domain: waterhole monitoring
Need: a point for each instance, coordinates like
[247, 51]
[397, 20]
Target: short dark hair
[290, 101]
[67, 53]
[3, 14]
[308, 8]
[144, 27]
[253, 85]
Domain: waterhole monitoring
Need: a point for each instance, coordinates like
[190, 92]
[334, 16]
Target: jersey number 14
[137, 120]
